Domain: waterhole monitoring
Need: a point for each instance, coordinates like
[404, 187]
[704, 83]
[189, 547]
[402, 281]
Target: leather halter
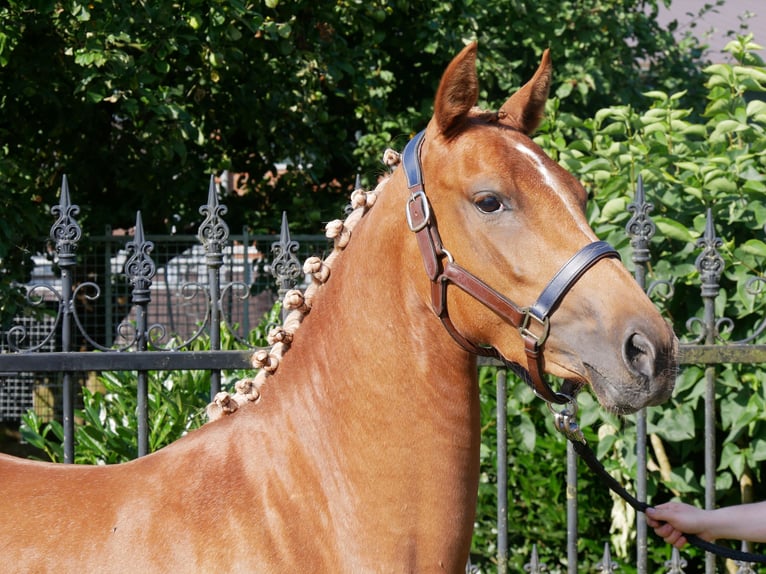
[532, 322]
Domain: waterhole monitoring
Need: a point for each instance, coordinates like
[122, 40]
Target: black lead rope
[582, 449]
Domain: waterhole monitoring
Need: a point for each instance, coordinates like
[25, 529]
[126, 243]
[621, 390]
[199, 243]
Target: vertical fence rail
[640, 229]
[140, 270]
[284, 264]
[501, 402]
[213, 234]
[710, 266]
[247, 279]
[572, 521]
[108, 293]
[65, 233]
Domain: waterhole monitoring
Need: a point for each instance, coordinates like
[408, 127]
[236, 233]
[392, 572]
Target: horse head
[515, 269]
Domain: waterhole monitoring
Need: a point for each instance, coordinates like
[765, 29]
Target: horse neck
[373, 408]
[372, 350]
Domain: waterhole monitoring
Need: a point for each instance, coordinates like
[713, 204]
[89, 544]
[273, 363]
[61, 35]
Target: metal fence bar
[108, 294]
[501, 401]
[140, 270]
[81, 361]
[213, 234]
[710, 266]
[65, 233]
[247, 278]
[640, 229]
[572, 520]
[284, 264]
[718, 354]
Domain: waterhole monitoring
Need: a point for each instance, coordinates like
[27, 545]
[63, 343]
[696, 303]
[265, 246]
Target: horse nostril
[640, 355]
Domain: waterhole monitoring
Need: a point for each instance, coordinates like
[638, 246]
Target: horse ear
[458, 90]
[524, 110]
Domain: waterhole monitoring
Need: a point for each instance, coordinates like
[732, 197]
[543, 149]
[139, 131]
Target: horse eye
[488, 204]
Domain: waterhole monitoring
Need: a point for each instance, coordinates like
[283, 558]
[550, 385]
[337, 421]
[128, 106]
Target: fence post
[213, 234]
[640, 229]
[285, 267]
[140, 269]
[65, 234]
[710, 266]
[501, 406]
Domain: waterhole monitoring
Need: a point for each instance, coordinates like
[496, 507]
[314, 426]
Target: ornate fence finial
[607, 564]
[213, 232]
[640, 227]
[709, 263]
[285, 267]
[534, 566]
[139, 267]
[676, 564]
[65, 232]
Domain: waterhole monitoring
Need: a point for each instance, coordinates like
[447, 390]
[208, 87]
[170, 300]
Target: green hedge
[690, 162]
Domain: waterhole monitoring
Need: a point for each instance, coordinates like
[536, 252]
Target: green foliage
[137, 102]
[107, 423]
[107, 433]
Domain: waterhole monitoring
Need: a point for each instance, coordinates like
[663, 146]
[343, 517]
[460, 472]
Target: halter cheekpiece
[533, 322]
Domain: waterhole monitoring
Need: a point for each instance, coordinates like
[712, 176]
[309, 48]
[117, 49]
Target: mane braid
[298, 303]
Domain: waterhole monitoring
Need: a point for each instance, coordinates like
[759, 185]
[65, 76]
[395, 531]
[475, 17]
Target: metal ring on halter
[565, 421]
[448, 255]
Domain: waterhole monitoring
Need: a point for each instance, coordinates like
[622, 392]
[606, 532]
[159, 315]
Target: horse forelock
[477, 116]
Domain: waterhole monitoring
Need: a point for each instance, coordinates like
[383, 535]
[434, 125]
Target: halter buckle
[543, 326]
[418, 219]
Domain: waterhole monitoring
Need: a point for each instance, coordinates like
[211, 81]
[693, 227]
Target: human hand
[672, 519]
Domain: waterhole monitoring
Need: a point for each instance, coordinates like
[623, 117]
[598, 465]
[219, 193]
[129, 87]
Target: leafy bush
[159, 94]
[106, 433]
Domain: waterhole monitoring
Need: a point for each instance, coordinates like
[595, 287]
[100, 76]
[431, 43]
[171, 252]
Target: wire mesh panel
[23, 391]
[177, 310]
[179, 301]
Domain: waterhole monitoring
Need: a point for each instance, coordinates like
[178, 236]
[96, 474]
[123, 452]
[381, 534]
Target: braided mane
[298, 303]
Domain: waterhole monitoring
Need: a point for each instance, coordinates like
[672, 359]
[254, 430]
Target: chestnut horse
[360, 452]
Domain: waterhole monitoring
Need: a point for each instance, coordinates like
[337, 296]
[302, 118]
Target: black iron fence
[202, 282]
[708, 348]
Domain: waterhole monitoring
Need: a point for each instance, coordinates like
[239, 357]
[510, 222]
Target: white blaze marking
[551, 181]
[544, 171]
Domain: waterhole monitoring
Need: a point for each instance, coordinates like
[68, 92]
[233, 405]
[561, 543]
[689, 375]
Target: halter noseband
[532, 322]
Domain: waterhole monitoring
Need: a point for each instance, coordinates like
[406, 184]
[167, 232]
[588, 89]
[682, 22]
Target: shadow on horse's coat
[360, 452]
